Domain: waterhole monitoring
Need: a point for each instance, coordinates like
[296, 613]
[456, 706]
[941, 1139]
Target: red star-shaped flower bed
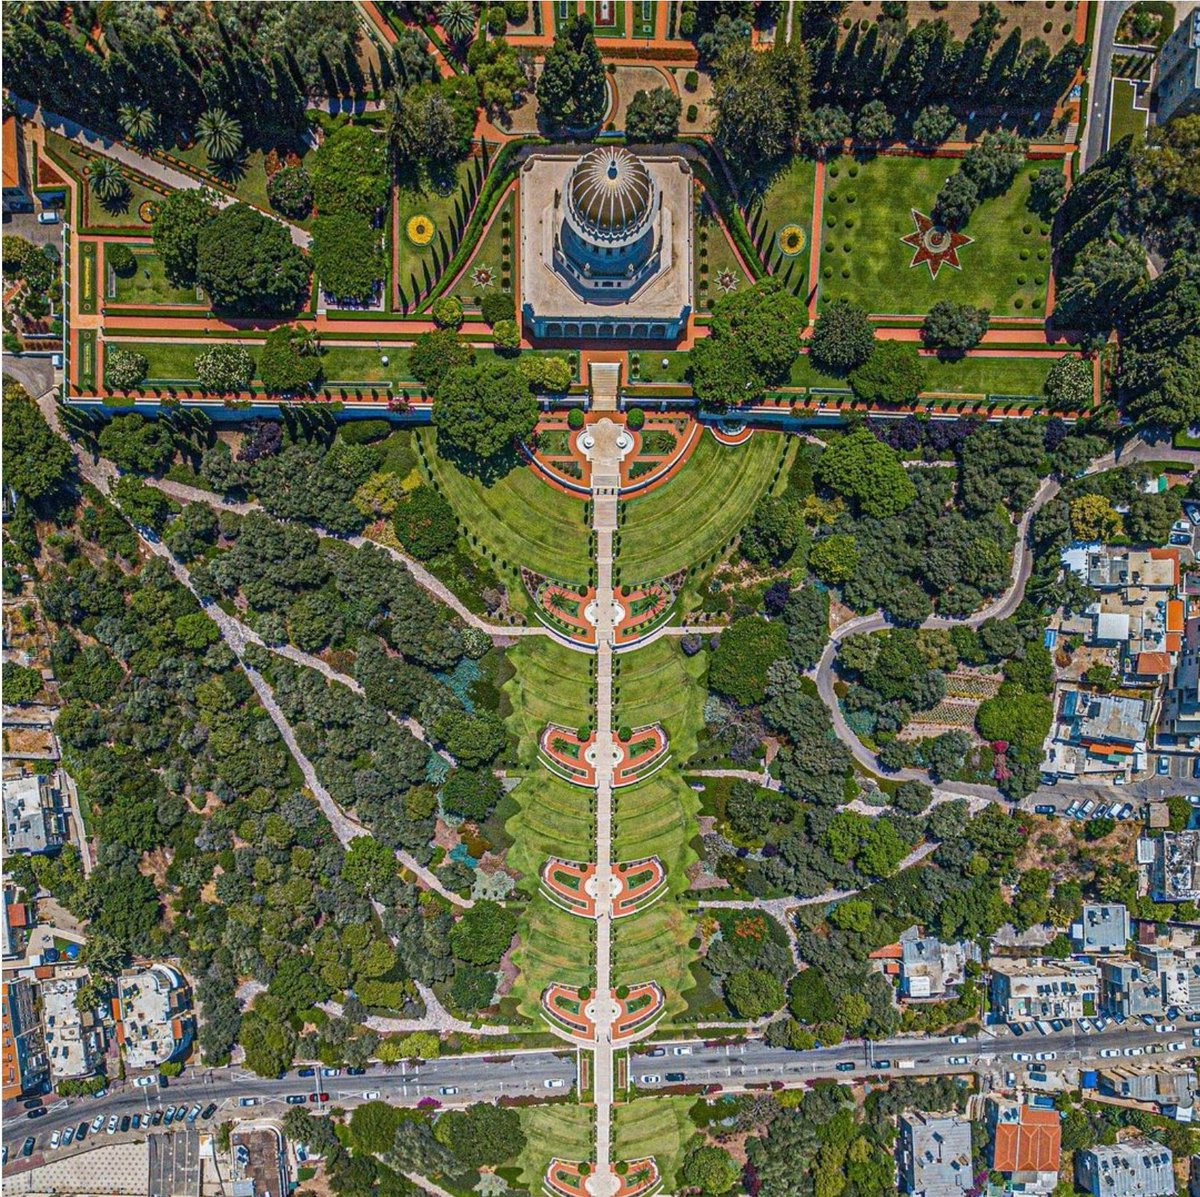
[935, 245]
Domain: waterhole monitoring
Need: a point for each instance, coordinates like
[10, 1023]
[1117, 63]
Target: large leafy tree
[248, 264]
[435, 353]
[37, 463]
[178, 220]
[430, 126]
[760, 99]
[865, 470]
[483, 934]
[481, 410]
[290, 360]
[571, 88]
[843, 337]
[347, 256]
[349, 171]
[954, 327]
[653, 115]
[892, 374]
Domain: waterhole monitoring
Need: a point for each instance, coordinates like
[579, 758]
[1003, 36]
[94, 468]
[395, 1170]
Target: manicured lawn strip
[651, 368]
[553, 945]
[714, 254]
[558, 1131]
[148, 284]
[788, 199]
[349, 363]
[551, 685]
[657, 1126]
[617, 28]
[988, 375]
[658, 684]
[490, 254]
[168, 362]
[87, 283]
[1124, 119]
[880, 278]
[249, 183]
[420, 265]
[520, 517]
[694, 514]
[87, 357]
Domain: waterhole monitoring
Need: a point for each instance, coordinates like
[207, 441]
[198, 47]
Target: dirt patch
[1031, 19]
[1071, 857]
[30, 741]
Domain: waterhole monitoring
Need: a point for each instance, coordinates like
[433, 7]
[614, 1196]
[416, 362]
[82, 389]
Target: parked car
[657, 1051]
[169, 1116]
[137, 1122]
[356, 1072]
[1176, 1045]
[306, 1072]
[81, 1132]
[295, 1099]
[846, 1066]
[113, 1123]
[371, 1095]
[124, 1124]
[1022, 1057]
[1133, 1051]
[156, 1118]
[956, 1060]
[247, 1101]
[674, 1078]
[1044, 808]
[1164, 766]
[193, 1113]
[1046, 1056]
[209, 1110]
[554, 1083]
[448, 1090]
[331, 1072]
[97, 1124]
[40, 1112]
[55, 1139]
[28, 1146]
[651, 1079]
[49, 216]
[144, 1082]
[32, 1104]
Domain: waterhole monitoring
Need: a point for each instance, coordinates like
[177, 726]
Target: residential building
[1136, 1168]
[152, 1011]
[1178, 972]
[1044, 989]
[16, 176]
[935, 1155]
[1026, 1145]
[14, 928]
[74, 1039]
[1174, 865]
[1129, 989]
[1104, 927]
[1162, 1084]
[35, 817]
[930, 968]
[1181, 708]
[1096, 734]
[1177, 82]
[24, 1050]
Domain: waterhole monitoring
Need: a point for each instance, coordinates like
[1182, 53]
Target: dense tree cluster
[571, 89]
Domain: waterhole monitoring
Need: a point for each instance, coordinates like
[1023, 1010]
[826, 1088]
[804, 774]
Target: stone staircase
[606, 384]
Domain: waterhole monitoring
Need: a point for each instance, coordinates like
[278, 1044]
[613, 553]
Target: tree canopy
[481, 410]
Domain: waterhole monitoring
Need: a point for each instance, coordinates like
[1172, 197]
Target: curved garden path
[1138, 448]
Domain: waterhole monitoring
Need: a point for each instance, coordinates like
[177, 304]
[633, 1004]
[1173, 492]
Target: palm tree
[457, 18]
[138, 121]
[220, 135]
[108, 181]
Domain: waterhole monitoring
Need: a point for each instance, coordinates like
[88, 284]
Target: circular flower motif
[146, 211]
[419, 230]
[791, 240]
[726, 281]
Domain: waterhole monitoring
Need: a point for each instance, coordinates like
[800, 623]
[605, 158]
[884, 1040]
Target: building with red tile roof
[1026, 1144]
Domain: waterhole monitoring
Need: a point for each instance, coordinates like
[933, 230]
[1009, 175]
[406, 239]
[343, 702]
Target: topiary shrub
[507, 335]
[691, 81]
[123, 369]
[635, 418]
[624, 733]
[122, 260]
[575, 419]
[498, 305]
[290, 191]
[497, 20]
[693, 113]
[447, 312]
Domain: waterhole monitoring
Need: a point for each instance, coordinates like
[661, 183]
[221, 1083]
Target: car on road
[959, 1039]
[956, 1059]
[448, 1090]
[55, 1139]
[113, 1123]
[28, 1146]
[554, 1083]
[295, 1099]
[674, 1078]
[97, 1124]
[846, 1066]
[1107, 1053]
[681, 1051]
[40, 1112]
[651, 1078]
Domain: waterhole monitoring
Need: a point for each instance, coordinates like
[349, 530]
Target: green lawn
[1124, 119]
[248, 177]
[787, 199]
[421, 265]
[651, 368]
[866, 262]
[657, 1126]
[717, 269]
[961, 376]
[354, 363]
[681, 523]
[616, 28]
[520, 517]
[559, 1131]
[148, 285]
[169, 361]
[489, 255]
[125, 215]
[551, 685]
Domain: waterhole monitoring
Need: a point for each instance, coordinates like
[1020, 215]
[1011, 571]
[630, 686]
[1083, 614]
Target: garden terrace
[562, 608]
[565, 1008]
[568, 1178]
[779, 216]
[571, 885]
[492, 259]
[645, 753]
[867, 210]
[641, 1006]
[147, 285]
[719, 268]
[566, 755]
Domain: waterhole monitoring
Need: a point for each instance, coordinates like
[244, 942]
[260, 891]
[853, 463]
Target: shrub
[693, 113]
[507, 335]
[498, 305]
[425, 523]
[290, 192]
[123, 369]
[363, 432]
[575, 418]
[624, 733]
[635, 418]
[691, 81]
[290, 360]
[517, 10]
[225, 368]
[497, 20]
[447, 312]
[122, 261]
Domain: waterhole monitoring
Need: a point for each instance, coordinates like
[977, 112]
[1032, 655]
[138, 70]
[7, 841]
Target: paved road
[476, 1077]
[739, 1065]
[1099, 78]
